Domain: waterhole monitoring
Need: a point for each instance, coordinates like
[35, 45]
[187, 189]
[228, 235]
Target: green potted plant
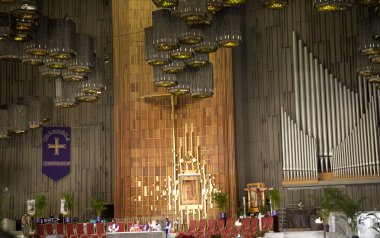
[329, 201]
[40, 205]
[274, 198]
[350, 209]
[98, 206]
[221, 199]
[69, 203]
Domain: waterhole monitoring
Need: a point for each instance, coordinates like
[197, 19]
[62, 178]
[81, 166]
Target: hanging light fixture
[202, 23]
[39, 45]
[65, 93]
[18, 115]
[227, 33]
[374, 59]
[198, 61]
[162, 79]
[274, 4]
[208, 45]
[47, 72]
[40, 111]
[4, 123]
[24, 24]
[183, 84]
[174, 67]
[62, 41]
[374, 79]
[4, 32]
[368, 2]
[189, 35]
[233, 2]
[367, 69]
[214, 5]
[68, 75]
[32, 59]
[375, 26]
[27, 9]
[193, 10]
[94, 84]
[367, 45]
[332, 5]
[202, 85]
[87, 97]
[19, 36]
[164, 30]
[54, 63]
[9, 51]
[152, 56]
[165, 3]
[183, 52]
[84, 60]
[174, 11]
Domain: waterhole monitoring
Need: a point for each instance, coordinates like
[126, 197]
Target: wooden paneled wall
[143, 125]
[92, 125]
[264, 84]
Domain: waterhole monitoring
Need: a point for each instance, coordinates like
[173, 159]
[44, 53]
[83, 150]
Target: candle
[243, 200]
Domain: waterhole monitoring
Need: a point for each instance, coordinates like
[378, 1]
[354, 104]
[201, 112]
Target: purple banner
[56, 152]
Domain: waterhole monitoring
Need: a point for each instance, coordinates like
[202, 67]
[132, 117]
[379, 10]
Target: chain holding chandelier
[182, 36]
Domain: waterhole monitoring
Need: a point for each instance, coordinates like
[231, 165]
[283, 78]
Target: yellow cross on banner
[56, 146]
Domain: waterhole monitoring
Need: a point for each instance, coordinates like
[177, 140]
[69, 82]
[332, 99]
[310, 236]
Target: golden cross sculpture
[56, 146]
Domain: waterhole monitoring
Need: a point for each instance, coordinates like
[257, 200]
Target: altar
[142, 234]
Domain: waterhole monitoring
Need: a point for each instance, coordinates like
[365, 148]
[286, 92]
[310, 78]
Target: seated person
[113, 227]
[158, 226]
[137, 227]
[146, 227]
[152, 225]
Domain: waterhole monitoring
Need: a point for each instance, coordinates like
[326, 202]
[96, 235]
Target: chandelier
[4, 123]
[188, 31]
[62, 41]
[162, 79]
[332, 5]
[18, 115]
[274, 4]
[65, 93]
[85, 57]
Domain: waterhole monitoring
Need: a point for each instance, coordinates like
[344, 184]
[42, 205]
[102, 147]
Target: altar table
[142, 234]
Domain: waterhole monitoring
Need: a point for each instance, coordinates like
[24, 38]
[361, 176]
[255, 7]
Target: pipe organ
[335, 132]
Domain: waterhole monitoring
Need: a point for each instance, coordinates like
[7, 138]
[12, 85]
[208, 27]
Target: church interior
[199, 111]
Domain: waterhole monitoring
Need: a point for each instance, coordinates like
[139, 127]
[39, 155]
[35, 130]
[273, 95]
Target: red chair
[89, 230]
[129, 226]
[61, 231]
[40, 231]
[266, 223]
[253, 228]
[220, 226]
[49, 229]
[121, 226]
[210, 228]
[241, 229]
[201, 229]
[230, 223]
[100, 232]
[70, 230]
[80, 231]
[192, 228]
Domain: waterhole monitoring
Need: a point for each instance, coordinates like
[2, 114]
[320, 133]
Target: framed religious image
[31, 207]
[256, 196]
[190, 189]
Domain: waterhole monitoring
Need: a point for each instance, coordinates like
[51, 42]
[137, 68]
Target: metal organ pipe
[335, 129]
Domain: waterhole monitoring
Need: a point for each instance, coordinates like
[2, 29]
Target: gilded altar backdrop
[144, 125]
